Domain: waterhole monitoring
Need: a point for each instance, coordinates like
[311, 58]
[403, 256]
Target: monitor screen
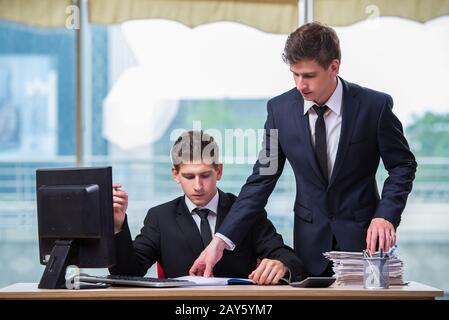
[75, 220]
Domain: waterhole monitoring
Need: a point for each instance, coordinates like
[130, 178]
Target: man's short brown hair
[194, 147]
[312, 41]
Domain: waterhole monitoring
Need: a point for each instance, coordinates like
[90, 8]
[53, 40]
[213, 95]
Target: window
[146, 79]
[37, 129]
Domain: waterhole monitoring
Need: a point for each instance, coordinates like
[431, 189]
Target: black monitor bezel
[88, 253]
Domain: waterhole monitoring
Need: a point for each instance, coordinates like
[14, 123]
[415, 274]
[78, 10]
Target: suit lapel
[189, 228]
[303, 121]
[350, 110]
[224, 204]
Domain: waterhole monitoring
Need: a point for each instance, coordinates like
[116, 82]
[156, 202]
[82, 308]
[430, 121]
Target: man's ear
[219, 169]
[175, 174]
[335, 66]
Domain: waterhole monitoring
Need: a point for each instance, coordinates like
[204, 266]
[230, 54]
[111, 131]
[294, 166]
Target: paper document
[348, 267]
[204, 281]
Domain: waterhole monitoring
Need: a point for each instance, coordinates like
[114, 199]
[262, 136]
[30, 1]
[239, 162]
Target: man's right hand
[120, 204]
[205, 263]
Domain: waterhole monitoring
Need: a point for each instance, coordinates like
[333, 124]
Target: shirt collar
[212, 205]
[334, 102]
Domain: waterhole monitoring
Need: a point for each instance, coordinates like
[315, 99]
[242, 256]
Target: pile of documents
[348, 268]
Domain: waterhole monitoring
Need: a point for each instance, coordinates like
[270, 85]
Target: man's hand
[205, 263]
[268, 272]
[382, 230]
[120, 204]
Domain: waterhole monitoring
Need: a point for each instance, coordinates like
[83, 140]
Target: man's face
[313, 81]
[198, 181]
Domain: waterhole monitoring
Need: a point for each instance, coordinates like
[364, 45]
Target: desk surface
[413, 290]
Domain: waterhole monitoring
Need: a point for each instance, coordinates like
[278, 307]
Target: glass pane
[37, 129]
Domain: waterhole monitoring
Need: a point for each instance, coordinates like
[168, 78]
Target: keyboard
[131, 281]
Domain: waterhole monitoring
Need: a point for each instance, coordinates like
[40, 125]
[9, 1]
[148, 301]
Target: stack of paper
[348, 268]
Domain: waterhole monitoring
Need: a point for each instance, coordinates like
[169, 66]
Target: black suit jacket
[345, 206]
[171, 237]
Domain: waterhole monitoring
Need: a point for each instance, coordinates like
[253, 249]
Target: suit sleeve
[135, 258]
[269, 244]
[400, 163]
[255, 192]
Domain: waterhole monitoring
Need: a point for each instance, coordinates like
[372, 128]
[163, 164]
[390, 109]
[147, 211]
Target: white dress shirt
[332, 119]
[211, 217]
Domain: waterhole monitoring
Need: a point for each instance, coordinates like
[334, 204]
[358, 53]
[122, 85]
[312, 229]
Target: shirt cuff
[229, 244]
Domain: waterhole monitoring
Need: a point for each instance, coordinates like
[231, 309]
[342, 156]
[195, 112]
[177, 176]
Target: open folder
[204, 281]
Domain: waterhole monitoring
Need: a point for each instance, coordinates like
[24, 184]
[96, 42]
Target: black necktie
[320, 140]
[206, 235]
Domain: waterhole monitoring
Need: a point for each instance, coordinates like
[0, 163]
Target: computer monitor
[75, 221]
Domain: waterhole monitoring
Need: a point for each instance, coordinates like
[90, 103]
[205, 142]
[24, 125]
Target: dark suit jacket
[171, 237]
[345, 206]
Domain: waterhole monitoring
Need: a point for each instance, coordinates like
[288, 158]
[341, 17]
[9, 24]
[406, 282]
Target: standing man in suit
[334, 134]
[175, 233]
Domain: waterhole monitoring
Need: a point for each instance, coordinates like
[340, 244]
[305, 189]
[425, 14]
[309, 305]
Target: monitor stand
[54, 274]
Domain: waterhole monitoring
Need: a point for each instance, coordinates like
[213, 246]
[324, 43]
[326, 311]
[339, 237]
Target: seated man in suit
[175, 233]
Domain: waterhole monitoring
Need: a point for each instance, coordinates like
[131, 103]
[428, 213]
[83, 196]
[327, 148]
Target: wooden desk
[413, 290]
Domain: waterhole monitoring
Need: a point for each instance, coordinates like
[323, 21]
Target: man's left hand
[381, 233]
[268, 272]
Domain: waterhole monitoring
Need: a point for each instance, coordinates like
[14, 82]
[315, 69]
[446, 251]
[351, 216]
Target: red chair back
[160, 271]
